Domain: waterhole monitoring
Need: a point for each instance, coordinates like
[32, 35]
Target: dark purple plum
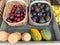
[40, 12]
[42, 20]
[47, 18]
[37, 10]
[39, 4]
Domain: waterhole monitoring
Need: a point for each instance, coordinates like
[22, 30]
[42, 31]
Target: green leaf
[59, 27]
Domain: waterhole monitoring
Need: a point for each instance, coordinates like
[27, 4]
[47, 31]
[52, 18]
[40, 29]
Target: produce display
[3, 36]
[17, 14]
[21, 18]
[35, 34]
[18, 33]
[40, 13]
[46, 34]
[56, 10]
[14, 37]
[26, 37]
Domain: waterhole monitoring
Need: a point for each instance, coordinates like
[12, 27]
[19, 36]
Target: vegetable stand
[53, 27]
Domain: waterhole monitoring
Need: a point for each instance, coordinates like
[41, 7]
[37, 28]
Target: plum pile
[40, 13]
[17, 14]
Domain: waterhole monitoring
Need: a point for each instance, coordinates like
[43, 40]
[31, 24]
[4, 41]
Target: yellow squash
[35, 34]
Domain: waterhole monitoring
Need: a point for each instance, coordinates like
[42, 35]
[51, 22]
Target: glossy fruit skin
[46, 34]
[20, 6]
[44, 15]
[42, 20]
[11, 17]
[9, 20]
[18, 19]
[47, 8]
[17, 14]
[14, 8]
[47, 18]
[12, 11]
[40, 10]
[39, 14]
[35, 34]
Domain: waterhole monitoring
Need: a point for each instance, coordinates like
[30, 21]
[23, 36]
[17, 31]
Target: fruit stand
[33, 23]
